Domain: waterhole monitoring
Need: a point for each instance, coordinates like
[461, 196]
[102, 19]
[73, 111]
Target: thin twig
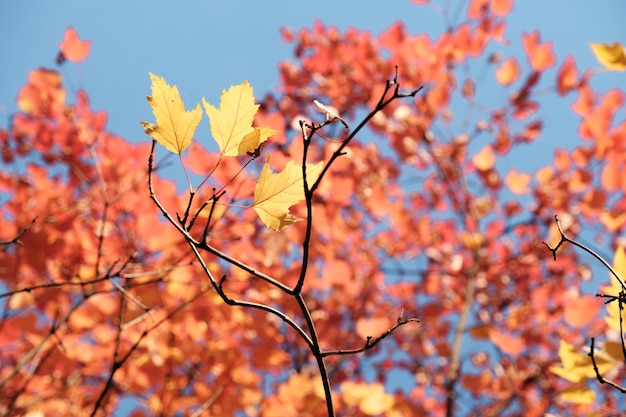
[371, 342]
[600, 377]
[565, 238]
[16, 238]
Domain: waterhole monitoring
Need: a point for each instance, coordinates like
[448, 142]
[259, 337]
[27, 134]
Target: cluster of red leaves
[438, 228]
[94, 292]
[100, 301]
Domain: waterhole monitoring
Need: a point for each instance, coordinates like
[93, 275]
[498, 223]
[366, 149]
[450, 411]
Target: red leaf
[72, 48]
[540, 55]
[581, 311]
[501, 7]
[506, 342]
[567, 77]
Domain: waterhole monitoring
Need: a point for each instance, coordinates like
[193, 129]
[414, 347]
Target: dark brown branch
[600, 378]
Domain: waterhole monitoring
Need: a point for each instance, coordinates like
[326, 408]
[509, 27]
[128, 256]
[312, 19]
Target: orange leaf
[72, 48]
[581, 311]
[43, 95]
[477, 384]
[373, 327]
[561, 159]
[594, 200]
[517, 182]
[506, 342]
[544, 174]
[477, 8]
[540, 56]
[567, 77]
[485, 159]
[508, 72]
[501, 7]
[371, 398]
[613, 220]
[611, 175]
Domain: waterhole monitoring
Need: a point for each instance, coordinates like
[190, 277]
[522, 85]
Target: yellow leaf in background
[577, 366]
[174, 126]
[612, 56]
[371, 398]
[613, 312]
[232, 122]
[275, 193]
[612, 350]
[578, 395]
[253, 139]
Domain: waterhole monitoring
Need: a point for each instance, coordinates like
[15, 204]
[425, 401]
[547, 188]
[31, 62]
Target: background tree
[421, 217]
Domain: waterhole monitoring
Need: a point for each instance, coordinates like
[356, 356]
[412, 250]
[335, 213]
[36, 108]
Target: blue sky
[204, 46]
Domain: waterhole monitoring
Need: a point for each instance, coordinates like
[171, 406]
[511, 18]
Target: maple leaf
[231, 124]
[72, 47]
[275, 193]
[174, 127]
[612, 56]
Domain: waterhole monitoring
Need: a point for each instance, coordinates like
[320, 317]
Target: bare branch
[371, 342]
[19, 234]
[600, 377]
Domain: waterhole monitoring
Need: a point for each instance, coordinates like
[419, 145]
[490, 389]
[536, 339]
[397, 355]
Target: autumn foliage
[250, 288]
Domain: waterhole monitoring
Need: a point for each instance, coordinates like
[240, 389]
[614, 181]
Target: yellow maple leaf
[612, 56]
[174, 126]
[231, 124]
[578, 395]
[252, 140]
[275, 193]
[577, 366]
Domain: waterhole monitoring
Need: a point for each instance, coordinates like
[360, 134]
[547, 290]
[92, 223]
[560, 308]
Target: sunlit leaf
[275, 193]
[373, 327]
[517, 181]
[231, 123]
[371, 399]
[256, 137]
[485, 159]
[174, 126]
[508, 72]
[612, 56]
